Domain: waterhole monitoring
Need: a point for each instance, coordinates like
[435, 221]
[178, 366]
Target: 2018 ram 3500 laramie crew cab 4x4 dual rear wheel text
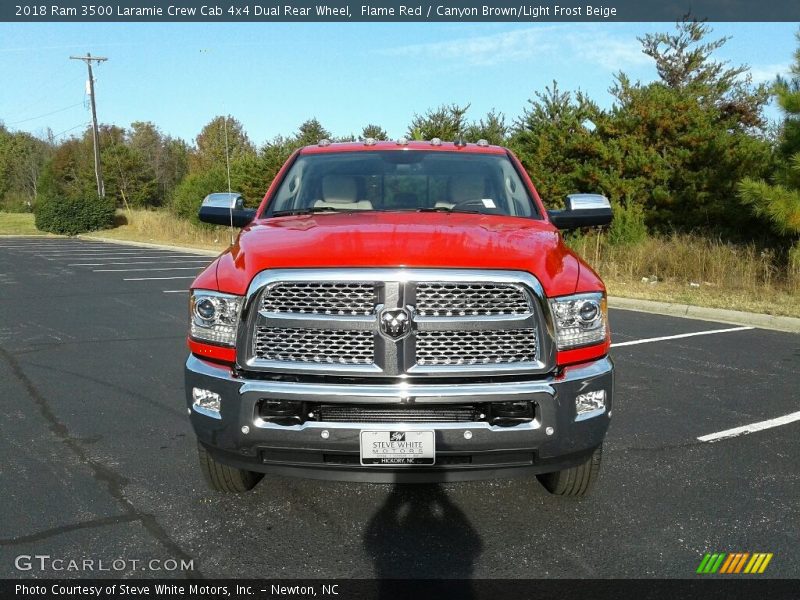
[400, 312]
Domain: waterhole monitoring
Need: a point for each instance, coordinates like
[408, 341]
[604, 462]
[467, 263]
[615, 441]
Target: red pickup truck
[400, 312]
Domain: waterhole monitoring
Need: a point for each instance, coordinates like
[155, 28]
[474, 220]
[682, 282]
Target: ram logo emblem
[395, 322]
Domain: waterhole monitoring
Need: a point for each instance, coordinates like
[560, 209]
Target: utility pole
[98, 170]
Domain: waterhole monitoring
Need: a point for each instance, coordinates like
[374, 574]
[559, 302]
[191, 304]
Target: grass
[689, 269]
[162, 227]
[18, 224]
[680, 269]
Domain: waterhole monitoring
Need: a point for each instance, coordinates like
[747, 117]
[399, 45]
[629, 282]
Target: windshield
[403, 180]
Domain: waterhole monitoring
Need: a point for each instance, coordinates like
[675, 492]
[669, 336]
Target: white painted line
[59, 253]
[753, 427]
[175, 291]
[117, 258]
[69, 245]
[156, 278]
[680, 335]
[141, 262]
[144, 269]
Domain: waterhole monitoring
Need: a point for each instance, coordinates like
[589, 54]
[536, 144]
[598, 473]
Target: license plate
[398, 448]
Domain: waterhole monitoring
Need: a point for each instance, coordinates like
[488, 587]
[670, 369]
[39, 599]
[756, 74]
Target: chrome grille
[480, 347]
[329, 322]
[321, 298]
[436, 299]
[323, 346]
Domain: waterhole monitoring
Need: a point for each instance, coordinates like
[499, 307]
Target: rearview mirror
[225, 208]
[582, 210]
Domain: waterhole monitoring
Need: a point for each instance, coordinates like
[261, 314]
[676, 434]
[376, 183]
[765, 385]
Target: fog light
[281, 412]
[508, 414]
[279, 408]
[590, 402]
[206, 402]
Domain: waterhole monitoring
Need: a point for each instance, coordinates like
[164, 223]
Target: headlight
[214, 316]
[580, 320]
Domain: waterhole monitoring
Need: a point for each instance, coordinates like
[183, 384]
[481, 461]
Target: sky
[274, 76]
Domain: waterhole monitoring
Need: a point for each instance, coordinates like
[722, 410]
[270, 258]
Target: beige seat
[463, 188]
[341, 192]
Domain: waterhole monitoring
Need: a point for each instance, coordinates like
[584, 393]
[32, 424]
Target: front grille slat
[470, 299]
[321, 298]
[481, 347]
[380, 414]
[322, 346]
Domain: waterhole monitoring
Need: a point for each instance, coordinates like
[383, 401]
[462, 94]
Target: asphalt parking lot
[99, 457]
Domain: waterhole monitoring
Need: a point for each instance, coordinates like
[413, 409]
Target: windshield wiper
[307, 211]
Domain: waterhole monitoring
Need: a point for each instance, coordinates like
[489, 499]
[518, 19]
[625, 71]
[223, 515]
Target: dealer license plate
[397, 448]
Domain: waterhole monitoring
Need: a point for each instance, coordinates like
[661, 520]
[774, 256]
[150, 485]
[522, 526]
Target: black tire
[223, 478]
[575, 481]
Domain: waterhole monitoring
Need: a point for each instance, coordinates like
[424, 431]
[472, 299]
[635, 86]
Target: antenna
[228, 167]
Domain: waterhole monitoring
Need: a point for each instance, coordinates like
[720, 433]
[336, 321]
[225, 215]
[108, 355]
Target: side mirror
[582, 210]
[223, 208]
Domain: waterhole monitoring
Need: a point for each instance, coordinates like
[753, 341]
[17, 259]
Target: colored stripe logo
[731, 563]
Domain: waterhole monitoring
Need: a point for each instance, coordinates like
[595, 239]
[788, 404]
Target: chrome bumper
[556, 438]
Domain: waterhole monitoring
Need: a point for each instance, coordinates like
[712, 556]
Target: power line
[46, 114]
[88, 59]
[60, 133]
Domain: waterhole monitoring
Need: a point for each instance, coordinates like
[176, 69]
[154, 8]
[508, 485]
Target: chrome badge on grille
[395, 322]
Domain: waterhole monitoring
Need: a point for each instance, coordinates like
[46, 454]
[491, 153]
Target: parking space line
[175, 291]
[121, 257]
[156, 278]
[140, 262]
[195, 268]
[678, 336]
[753, 427]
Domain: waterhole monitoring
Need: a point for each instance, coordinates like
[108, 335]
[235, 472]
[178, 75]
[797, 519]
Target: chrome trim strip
[398, 393]
[591, 414]
[206, 412]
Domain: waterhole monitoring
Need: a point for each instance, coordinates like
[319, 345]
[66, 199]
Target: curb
[701, 313]
[199, 251]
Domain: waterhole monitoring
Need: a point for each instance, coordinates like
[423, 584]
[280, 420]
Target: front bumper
[556, 439]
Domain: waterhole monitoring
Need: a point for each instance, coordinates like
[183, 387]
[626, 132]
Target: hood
[400, 239]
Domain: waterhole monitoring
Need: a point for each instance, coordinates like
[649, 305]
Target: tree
[311, 132]
[696, 132]
[779, 201]
[446, 122]
[493, 129]
[22, 157]
[554, 140]
[129, 179]
[376, 132]
[165, 157]
[211, 144]
[684, 62]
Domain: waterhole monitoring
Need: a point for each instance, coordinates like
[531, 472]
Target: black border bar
[700, 587]
[520, 11]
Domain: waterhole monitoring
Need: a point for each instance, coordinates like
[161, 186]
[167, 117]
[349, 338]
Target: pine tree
[779, 200]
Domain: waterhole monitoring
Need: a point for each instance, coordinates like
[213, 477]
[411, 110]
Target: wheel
[223, 478]
[575, 481]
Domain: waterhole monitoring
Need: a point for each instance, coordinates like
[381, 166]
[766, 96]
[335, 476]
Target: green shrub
[68, 214]
[628, 226]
